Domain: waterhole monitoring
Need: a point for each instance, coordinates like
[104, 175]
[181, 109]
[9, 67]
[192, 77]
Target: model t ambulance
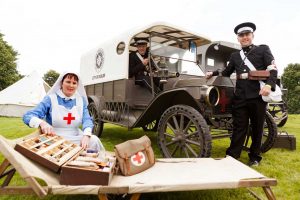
[188, 103]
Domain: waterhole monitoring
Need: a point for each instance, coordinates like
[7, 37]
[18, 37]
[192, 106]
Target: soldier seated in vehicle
[139, 66]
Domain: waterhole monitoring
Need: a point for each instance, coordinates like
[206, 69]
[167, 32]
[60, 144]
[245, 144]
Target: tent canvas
[23, 95]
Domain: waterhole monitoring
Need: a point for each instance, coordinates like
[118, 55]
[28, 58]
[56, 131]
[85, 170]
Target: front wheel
[98, 123]
[183, 132]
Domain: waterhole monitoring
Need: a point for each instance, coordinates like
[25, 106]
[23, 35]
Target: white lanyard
[247, 62]
[273, 96]
[140, 57]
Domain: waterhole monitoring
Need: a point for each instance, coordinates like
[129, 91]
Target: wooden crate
[50, 151]
[57, 154]
[94, 175]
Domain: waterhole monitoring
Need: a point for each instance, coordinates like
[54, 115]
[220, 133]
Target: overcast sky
[53, 34]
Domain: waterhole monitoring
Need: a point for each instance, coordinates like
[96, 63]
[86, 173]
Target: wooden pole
[4, 165]
[135, 196]
[102, 197]
[269, 193]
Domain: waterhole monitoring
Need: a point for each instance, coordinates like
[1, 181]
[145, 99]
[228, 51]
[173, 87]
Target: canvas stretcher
[187, 174]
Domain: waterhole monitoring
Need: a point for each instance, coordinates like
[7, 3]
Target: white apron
[66, 122]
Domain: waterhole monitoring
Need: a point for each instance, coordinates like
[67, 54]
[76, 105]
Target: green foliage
[291, 81]
[50, 77]
[281, 164]
[8, 66]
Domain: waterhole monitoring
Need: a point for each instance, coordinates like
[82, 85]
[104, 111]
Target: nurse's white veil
[57, 85]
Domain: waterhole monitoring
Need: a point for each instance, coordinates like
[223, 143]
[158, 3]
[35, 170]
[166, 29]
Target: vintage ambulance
[188, 104]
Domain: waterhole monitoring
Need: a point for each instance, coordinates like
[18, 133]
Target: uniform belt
[242, 76]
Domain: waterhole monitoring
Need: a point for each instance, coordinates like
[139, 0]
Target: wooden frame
[7, 171]
[11, 165]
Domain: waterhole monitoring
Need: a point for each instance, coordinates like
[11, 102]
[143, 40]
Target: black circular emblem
[99, 60]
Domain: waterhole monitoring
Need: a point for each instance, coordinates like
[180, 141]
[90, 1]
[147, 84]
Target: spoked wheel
[183, 132]
[269, 135]
[152, 126]
[279, 113]
[98, 124]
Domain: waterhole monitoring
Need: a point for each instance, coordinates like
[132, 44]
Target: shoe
[254, 163]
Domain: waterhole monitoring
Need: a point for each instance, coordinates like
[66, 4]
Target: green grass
[282, 164]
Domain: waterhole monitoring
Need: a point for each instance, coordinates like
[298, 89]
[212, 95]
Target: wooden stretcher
[184, 174]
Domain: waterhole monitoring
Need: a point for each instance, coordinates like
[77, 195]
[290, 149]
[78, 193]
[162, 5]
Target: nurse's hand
[85, 141]
[46, 128]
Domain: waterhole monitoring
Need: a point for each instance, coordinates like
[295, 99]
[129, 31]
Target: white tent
[23, 95]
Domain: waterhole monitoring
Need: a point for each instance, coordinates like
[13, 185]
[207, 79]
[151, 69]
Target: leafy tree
[291, 81]
[8, 66]
[50, 77]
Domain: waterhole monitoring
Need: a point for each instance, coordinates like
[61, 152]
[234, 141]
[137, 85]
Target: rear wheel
[183, 132]
[279, 113]
[98, 124]
[269, 134]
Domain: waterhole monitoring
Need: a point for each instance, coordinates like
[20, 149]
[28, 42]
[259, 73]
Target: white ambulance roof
[114, 66]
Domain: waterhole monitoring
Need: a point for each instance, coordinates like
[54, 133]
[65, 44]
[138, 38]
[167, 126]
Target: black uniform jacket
[136, 67]
[261, 57]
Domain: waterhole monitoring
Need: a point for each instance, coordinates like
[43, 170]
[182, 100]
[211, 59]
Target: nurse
[63, 110]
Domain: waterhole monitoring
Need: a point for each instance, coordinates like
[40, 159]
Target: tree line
[291, 82]
[8, 67]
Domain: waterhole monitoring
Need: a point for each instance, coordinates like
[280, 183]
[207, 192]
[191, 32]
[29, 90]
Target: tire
[282, 122]
[269, 135]
[279, 113]
[183, 132]
[152, 126]
[98, 124]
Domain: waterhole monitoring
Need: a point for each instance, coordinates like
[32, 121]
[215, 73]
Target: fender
[162, 102]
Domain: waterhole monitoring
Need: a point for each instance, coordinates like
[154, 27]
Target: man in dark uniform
[139, 65]
[248, 102]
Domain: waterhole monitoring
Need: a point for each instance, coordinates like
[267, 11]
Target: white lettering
[98, 76]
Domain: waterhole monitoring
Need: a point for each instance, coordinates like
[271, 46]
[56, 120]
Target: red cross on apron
[69, 118]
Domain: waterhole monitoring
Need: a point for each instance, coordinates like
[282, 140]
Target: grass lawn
[282, 164]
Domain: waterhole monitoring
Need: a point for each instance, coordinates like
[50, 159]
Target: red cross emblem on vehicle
[69, 118]
[138, 159]
[223, 100]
